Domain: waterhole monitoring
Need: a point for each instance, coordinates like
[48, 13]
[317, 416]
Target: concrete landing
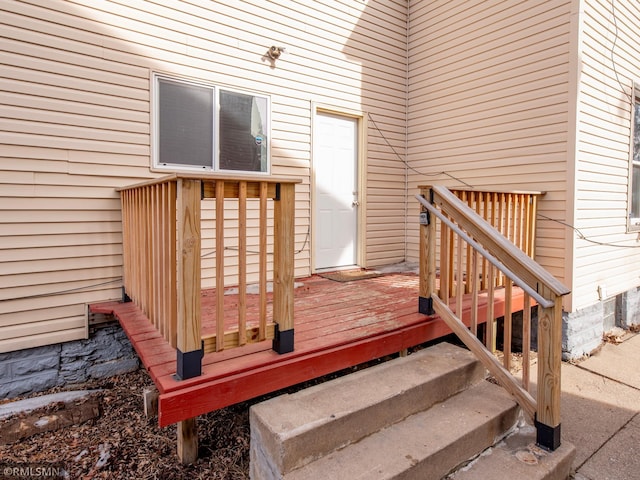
[517, 456]
[600, 411]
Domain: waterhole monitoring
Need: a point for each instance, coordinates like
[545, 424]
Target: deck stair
[420, 416]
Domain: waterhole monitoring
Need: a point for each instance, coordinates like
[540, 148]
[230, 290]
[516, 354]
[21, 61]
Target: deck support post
[188, 441]
[427, 260]
[150, 398]
[547, 419]
[189, 341]
[283, 278]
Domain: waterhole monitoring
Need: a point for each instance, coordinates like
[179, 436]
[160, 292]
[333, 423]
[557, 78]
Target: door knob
[355, 203]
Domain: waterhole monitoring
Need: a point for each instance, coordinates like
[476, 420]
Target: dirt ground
[124, 444]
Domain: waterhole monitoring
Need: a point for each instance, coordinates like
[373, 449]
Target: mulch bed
[124, 444]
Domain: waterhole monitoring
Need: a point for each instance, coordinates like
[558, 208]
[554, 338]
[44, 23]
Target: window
[634, 187]
[199, 126]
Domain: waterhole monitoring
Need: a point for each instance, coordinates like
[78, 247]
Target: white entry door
[335, 160]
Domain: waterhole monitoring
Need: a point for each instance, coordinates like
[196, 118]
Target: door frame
[361, 142]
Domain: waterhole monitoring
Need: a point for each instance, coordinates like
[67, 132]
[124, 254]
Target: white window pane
[243, 132]
[185, 124]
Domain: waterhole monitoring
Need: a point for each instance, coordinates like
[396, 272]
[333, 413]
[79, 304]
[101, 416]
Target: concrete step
[426, 445]
[291, 431]
[517, 456]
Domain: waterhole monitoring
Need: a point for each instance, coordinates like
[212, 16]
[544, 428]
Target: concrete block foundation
[583, 330]
[106, 353]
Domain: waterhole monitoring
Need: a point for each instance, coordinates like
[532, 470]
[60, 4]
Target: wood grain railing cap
[212, 177]
[489, 190]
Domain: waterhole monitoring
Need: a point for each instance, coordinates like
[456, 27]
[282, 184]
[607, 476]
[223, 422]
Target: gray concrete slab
[600, 411]
[618, 459]
[518, 457]
[618, 362]
[593, 408]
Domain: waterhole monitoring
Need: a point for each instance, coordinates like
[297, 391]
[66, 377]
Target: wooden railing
[495, 264]
[513, 214]
[162, 260]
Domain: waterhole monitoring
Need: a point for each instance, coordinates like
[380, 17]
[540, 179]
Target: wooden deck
[337, 325]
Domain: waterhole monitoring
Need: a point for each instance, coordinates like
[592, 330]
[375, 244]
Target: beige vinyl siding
[489, 87]
[604, 150]
[75, 118]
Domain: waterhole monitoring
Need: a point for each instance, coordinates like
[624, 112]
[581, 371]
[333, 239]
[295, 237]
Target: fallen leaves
[123, 444]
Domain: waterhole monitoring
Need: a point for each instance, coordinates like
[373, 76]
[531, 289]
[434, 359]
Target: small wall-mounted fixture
[275, 52]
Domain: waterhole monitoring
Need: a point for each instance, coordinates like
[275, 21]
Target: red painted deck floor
[337, 325]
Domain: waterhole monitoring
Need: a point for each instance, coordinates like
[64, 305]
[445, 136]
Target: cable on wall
[582, 236]
[407, 164]
[63, 292]
[613, 47]
[235, 249]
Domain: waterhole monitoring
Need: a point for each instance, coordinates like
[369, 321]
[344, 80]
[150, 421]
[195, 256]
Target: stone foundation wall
[582, 331]
[628, 309]
[106, 353]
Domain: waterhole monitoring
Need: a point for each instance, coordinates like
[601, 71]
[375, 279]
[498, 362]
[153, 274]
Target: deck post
[188, 441]
[547, 419]
[189, 341]
[283, 279]
[427, 260]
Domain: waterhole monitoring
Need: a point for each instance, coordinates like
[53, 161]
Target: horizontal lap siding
[611, 49]
[75, 124]
[489, 87]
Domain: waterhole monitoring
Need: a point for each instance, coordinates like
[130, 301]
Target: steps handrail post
[547, 419]
[427, 258]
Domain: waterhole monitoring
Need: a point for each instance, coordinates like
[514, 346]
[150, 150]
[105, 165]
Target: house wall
[610, 53]
[75, 124]
[490, 96]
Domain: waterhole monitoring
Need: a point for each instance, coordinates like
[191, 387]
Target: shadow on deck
[337, 326]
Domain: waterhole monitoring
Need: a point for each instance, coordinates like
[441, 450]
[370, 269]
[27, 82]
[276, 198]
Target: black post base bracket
[282, 340]
[189, 364]
[547, 437]
[425, 306]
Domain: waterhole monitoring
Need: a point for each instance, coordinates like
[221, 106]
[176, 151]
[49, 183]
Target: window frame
[214, 166]
[633, 223]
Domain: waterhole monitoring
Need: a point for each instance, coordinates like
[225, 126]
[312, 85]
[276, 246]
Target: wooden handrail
[511, 256]
[162, 257]
[465, 233]
[485, 253]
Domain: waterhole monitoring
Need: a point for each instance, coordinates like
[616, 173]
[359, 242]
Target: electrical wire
[613, 47]
[407, 163]
[582, 236]
[254, 252]
[63, 292]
